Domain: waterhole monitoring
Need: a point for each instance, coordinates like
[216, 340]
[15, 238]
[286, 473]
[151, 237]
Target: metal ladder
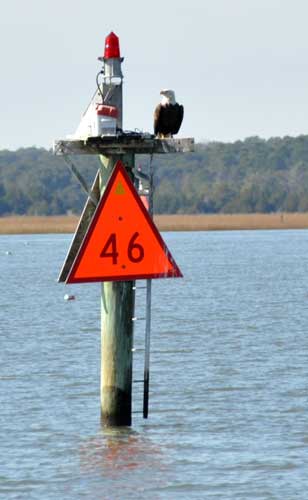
[148, 299]
[146, 369]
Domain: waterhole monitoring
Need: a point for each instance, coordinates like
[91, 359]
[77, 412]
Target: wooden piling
[117, 306]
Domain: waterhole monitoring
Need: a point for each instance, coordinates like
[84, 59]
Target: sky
[239, 67]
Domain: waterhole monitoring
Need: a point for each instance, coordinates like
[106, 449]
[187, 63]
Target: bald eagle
[168, 115]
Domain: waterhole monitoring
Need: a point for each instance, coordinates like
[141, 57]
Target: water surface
[228, 402]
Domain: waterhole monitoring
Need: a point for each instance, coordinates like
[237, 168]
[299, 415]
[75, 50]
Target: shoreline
[25, 224]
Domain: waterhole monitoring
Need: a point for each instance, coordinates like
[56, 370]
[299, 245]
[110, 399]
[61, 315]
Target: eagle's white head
[168, 96]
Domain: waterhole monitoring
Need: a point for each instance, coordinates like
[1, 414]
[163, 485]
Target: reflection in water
[116, 450]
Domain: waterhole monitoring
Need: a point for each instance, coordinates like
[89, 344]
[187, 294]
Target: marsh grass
[68, 223]
[219, 222]
[38, 224]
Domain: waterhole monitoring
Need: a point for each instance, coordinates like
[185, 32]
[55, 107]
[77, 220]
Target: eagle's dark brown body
[168, 119]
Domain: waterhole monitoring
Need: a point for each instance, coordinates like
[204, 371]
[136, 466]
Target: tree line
[254, 175]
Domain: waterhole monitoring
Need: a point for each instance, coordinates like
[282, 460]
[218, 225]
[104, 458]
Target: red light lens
[112, 46]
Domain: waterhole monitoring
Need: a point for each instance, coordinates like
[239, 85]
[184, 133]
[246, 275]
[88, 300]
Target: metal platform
[122, 144]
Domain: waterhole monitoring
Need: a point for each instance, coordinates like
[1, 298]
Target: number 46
[135, 251]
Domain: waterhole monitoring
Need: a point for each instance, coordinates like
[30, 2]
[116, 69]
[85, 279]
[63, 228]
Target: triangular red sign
[122, 242]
